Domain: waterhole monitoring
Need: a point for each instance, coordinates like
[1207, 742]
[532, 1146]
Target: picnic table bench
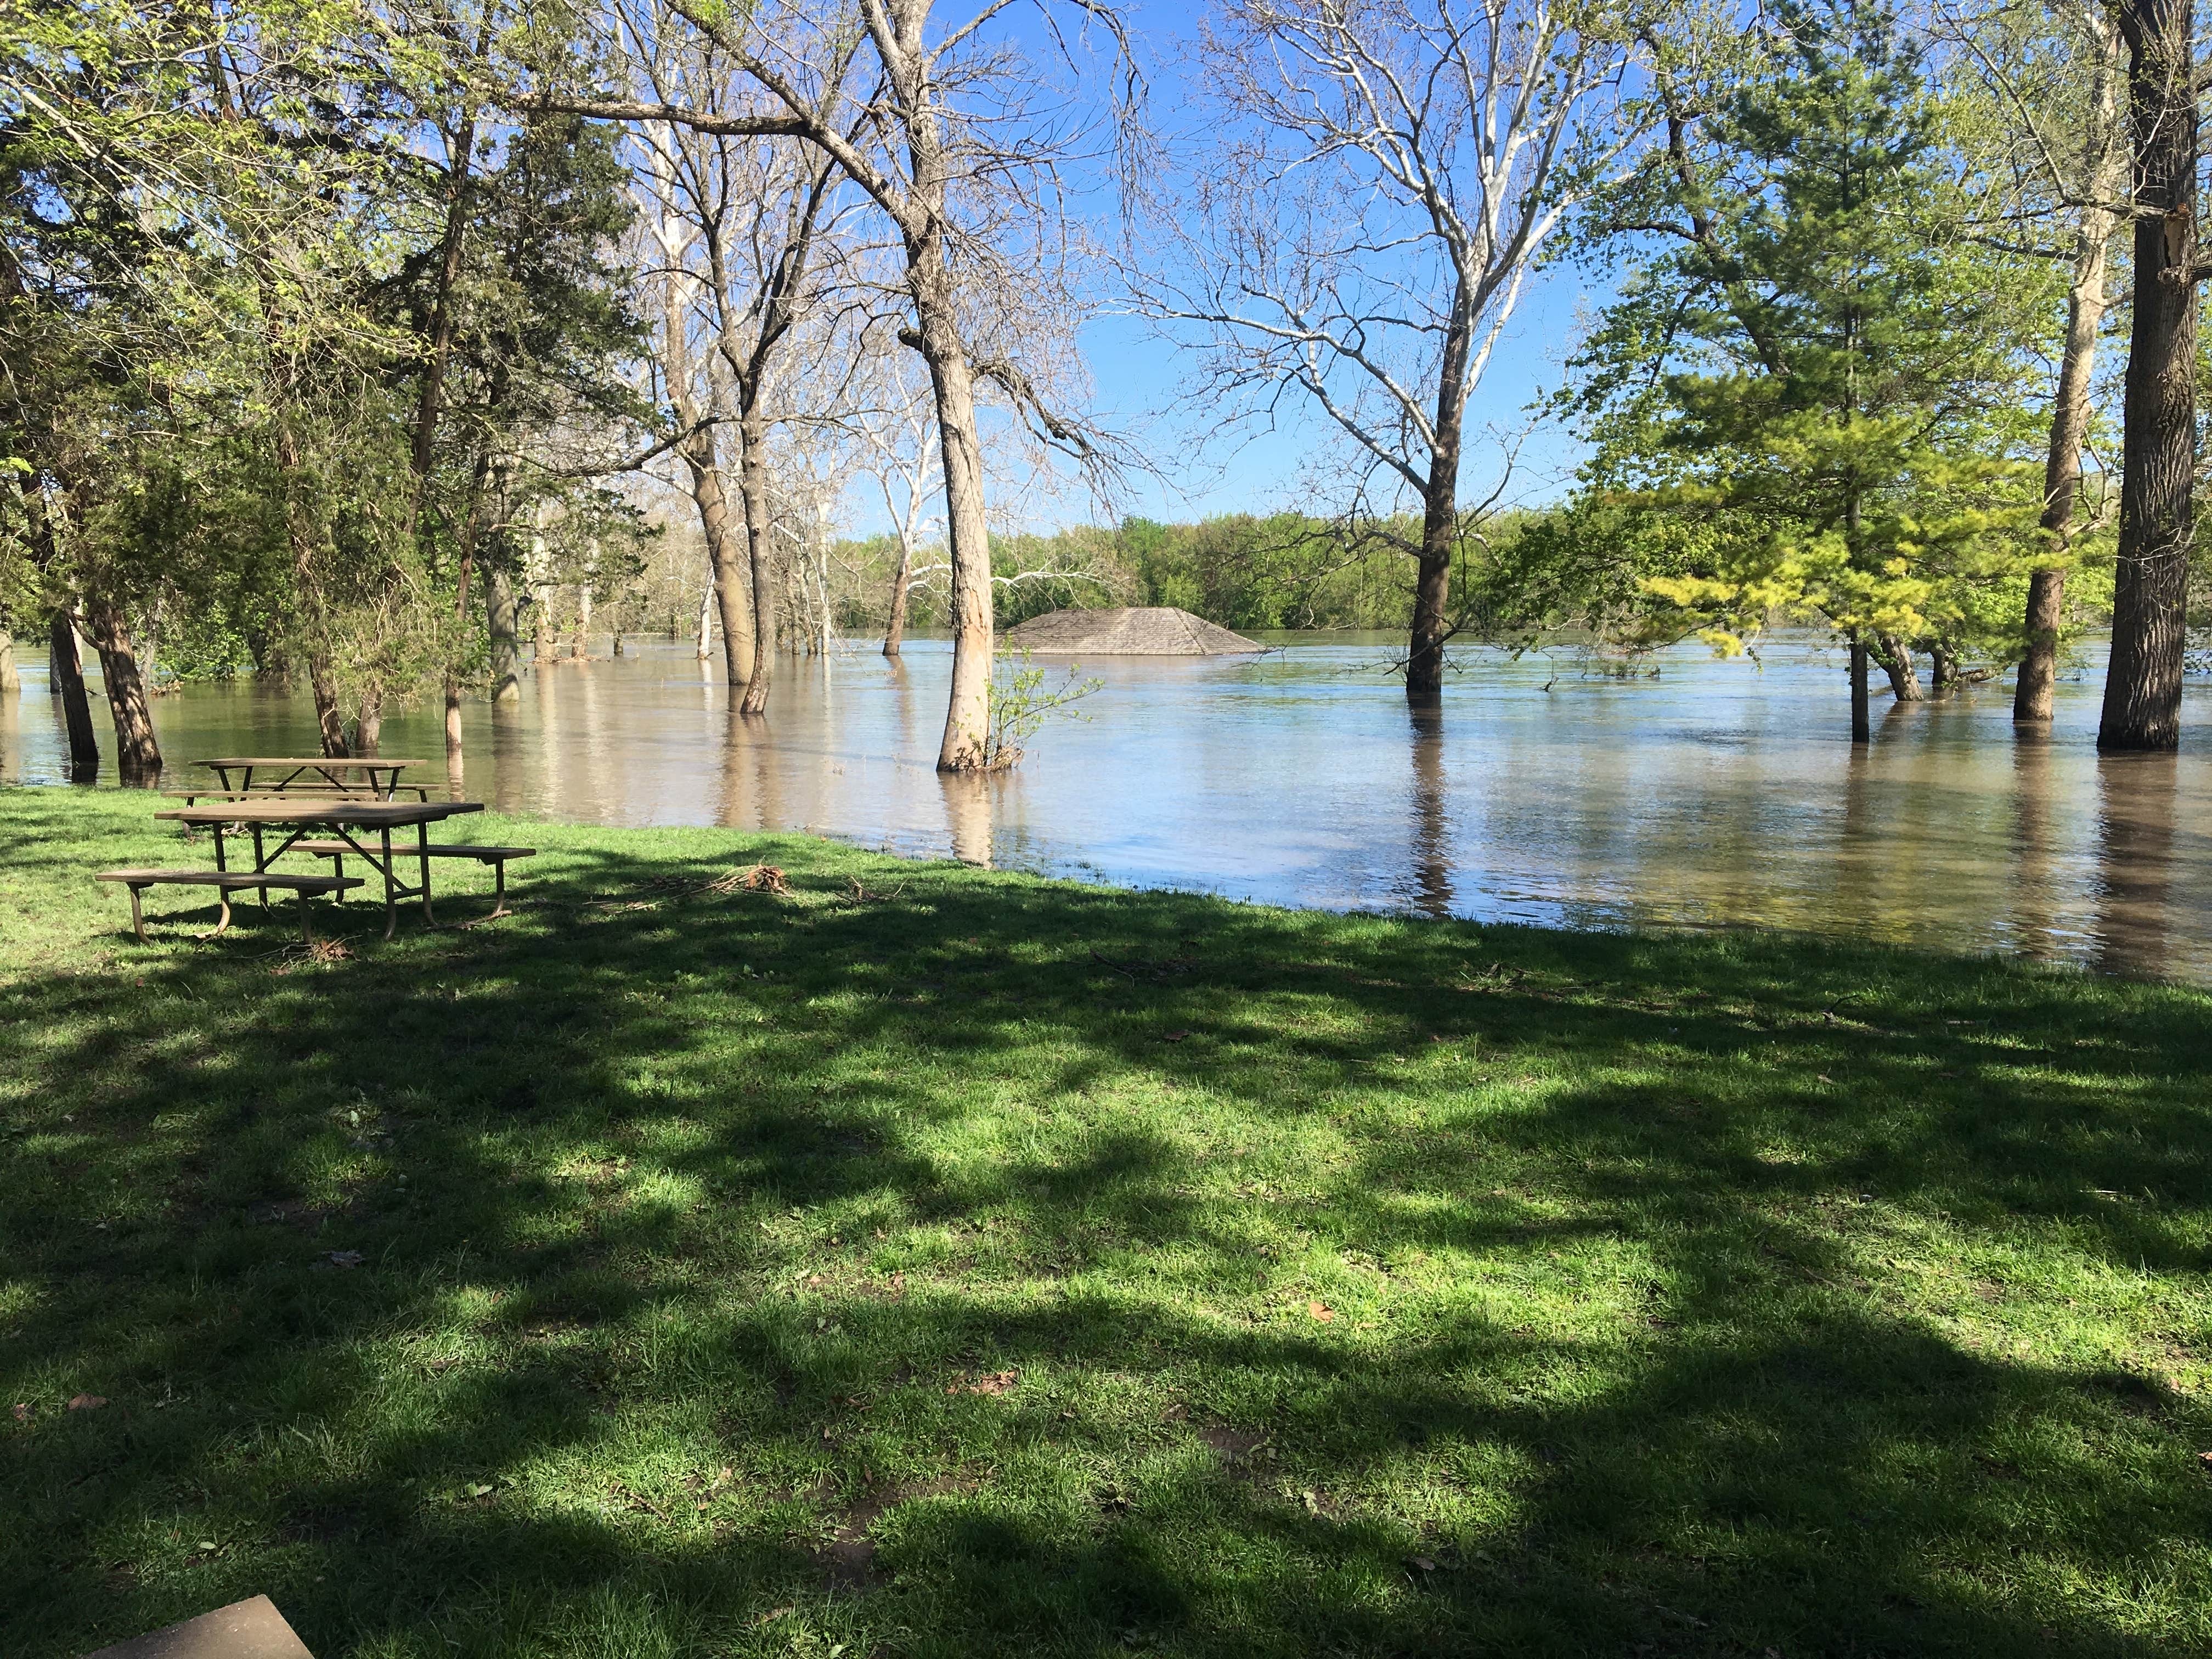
[227, 882]
[495, 856]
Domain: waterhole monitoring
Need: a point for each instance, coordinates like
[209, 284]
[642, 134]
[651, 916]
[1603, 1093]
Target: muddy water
[1714, 794]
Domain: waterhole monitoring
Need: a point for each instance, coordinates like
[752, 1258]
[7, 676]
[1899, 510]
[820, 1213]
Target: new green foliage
[1817, 392]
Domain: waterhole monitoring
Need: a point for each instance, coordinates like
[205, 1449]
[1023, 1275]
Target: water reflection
[1431, 861]
[1720, 794]
[2134, 861]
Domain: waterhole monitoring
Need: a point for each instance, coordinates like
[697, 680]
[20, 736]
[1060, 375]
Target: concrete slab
[244, 1630]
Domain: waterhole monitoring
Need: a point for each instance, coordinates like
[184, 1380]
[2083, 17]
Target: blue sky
[1204, 469]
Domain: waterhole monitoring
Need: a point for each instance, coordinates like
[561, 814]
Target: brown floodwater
[1714, 795]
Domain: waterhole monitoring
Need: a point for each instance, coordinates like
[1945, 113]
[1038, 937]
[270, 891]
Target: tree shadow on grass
[947, 1275]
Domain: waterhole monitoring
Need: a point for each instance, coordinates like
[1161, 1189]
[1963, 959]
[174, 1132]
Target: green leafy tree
[1812, 364]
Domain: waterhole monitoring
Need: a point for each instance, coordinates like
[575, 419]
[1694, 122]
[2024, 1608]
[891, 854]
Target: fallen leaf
[1421, 1563]
[1829, 1080]
[478, 1489]
[344, 1258]
[207, 1543]
[1321, 1311]
[22, 1413]
[84, 1402]
[993, 1382]
[2205, 1458]
[772, 1615]
[1174, 1036]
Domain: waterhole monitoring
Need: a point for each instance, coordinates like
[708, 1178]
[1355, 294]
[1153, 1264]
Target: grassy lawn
[936, 1262]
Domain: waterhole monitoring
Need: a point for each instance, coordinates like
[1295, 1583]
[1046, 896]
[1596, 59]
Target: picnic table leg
[499, 898]
[422, 863]
[219, 864]
[306, 922]
[223, 917]
[260, 863]
[137, 916]
[391, 905]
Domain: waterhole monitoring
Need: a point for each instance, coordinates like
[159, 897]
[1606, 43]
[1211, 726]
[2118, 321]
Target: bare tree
[948, 145]
[894, 434]
[1375, 187]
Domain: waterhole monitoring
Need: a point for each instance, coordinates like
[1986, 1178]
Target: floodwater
[1714, 795]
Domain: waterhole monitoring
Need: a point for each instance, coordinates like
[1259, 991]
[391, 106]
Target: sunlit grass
[1025, 1268]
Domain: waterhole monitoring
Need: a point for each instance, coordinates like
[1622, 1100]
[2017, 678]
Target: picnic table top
[326, 809]
[357, 764]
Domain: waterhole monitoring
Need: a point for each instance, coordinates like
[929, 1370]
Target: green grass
[936, 1273]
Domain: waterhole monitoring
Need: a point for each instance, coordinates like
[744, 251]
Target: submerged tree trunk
[541, 624]
[505, 637]
[369, 725]
[11, 678]
[2062, 466]
[895, 629]
[138, 755]
[965, 746]
[753, 493]
[68, 681]
[2143, 684]
[1862, 714]
[707, 601]
[1896, 660]
[1945, 667]
[729, 581]
[1424, 658]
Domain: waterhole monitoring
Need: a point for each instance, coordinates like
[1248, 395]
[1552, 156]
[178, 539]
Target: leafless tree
[1373, 188]
[951, 147]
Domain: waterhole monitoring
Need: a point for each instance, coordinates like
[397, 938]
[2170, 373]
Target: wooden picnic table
[301, 815]
[312, 771]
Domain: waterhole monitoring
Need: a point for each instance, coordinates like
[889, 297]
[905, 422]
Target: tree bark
[1862, 714]
[2142, 683]
[1896, 660]
[541, 624]
[137, 754]
[753, 493]
[10, 678]
[2062, 467]
[506, 636]
[731, 577]
[895, 629]
[369, 724]
[1424, 657]
[68, 680]
[965, 746]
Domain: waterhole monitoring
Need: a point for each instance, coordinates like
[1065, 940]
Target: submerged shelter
[1158, 630]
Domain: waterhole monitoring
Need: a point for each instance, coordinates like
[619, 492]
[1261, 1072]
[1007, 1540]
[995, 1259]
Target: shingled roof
[1158, 630]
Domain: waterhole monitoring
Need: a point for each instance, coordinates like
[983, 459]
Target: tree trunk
[10, 678]
[2143, 684]
[368, 726]
[1896, 660]
[580, 642]
[1424, 657]
[541, 624]
[895, 629]
[1945, 667]
[753, 493]
[305, 534]
[965, 746]
[138, 755]
[2062, 469]
[1861, 716]
[68, 681]
[454, 761]
[729, 583]
[707, 617]
[506, 634]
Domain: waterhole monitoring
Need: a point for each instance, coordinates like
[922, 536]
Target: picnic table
[338, 817]
[308, 772]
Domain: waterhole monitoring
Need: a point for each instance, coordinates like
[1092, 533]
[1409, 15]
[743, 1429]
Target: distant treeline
[1242, 570]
